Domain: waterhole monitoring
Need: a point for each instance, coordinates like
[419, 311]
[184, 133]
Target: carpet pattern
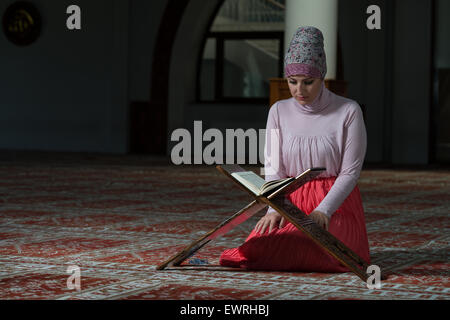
[117, 218]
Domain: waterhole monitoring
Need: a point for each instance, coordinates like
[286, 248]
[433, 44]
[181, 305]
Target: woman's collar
[322, 101]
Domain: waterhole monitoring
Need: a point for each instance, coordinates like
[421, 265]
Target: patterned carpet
[117, 217]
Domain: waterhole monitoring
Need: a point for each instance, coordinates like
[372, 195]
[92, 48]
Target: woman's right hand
[271, 219]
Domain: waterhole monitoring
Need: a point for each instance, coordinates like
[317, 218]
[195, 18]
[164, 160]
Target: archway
[179, 39]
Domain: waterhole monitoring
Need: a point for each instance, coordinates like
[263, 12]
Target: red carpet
[116, 218]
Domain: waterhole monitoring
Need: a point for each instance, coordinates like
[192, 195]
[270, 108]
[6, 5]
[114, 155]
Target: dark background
[128, 78]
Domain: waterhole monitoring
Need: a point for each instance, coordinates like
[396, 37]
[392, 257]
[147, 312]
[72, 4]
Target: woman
[315, 128]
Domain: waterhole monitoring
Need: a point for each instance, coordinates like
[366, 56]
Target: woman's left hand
[320, 218]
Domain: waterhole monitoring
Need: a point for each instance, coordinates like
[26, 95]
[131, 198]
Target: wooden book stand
[277, 200]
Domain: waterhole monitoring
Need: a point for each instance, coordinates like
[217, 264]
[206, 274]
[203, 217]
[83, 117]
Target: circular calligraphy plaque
[21, 23]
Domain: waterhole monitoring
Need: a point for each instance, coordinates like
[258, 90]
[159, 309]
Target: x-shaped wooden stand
[278, 200]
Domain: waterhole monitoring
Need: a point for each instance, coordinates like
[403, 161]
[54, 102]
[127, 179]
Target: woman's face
[303, 88]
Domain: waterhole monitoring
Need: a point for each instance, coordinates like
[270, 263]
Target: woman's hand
[271, 220]
[320, 218]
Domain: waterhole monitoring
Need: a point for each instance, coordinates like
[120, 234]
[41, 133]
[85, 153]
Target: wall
[367, 56]
[441, 112]
[411, 82]
[442, 53]
[145, 17]
[68, 90]
[389, 73]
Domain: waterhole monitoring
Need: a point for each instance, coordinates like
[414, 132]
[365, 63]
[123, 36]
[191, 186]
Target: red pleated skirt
[289, 249]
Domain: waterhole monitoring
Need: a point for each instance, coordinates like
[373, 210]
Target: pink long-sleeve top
[329, 132]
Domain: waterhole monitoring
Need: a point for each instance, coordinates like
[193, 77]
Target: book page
[250, 179]
[274, 184]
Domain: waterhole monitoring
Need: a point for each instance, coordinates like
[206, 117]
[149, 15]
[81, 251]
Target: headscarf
[306, 54]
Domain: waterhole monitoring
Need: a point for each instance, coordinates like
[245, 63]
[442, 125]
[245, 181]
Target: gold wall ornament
[22, 23]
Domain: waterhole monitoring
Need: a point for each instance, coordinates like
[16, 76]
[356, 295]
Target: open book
[257, 184]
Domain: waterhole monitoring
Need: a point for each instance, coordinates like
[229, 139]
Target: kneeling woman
[315, 128]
